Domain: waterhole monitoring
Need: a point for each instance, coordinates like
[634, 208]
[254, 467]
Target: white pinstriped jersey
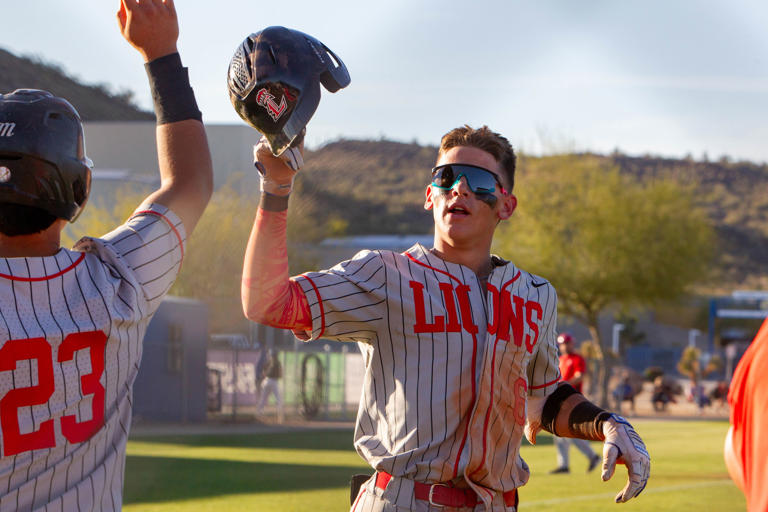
[71, 327]
[448, 366]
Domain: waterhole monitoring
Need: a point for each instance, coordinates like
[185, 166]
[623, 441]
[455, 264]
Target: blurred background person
[270, 384]
[572, 370]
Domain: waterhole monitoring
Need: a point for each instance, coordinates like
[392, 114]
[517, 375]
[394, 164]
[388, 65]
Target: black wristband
[553, 404]
[273, 202]
[172, 95]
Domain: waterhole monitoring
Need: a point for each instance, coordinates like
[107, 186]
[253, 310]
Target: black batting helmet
[274, 82]
[42, 153]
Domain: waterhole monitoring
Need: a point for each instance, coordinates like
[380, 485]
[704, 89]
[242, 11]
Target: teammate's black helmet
[274, 82]
[42, 153]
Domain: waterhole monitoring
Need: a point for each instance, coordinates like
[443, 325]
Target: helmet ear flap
[336, 76]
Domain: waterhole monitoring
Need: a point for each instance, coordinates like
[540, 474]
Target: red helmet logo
[267, 100]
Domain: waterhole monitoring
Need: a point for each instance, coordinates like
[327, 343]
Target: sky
[660, 77]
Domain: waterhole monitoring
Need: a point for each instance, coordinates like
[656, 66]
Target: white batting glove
[622, 444]
[277, 179]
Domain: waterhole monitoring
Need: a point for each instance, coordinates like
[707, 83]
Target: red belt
[444, 494]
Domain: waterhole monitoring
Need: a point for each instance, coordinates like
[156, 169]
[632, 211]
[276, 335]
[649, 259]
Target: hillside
[93, 102]
[378, 187]
[734, 195]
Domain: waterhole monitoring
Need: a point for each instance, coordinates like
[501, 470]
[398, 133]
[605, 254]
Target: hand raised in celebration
[278, 172]
[150, 26]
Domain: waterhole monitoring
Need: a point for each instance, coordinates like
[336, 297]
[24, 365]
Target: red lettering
[457, 319]
[509, 320]
[12, 352]
[39, 349]
[421, 318]
[74, 431]
[450, 306]
[530, 308]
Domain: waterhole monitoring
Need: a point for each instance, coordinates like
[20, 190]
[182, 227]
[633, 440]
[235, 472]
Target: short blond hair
[485, 139]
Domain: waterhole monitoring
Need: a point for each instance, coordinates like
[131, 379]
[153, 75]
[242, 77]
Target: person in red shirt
[746, 449]
[572, 370]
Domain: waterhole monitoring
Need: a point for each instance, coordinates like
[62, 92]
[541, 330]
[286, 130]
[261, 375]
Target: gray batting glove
[622, 444]
[282, 169]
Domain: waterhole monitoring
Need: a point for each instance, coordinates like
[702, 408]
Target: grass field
[310, 470]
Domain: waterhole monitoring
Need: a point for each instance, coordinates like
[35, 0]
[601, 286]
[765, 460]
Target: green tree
[213, 260]
[213, 265]
[104, 213]
[603, 239]
[690, 364]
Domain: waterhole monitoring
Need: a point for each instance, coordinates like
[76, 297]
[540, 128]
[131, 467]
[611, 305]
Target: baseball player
[270, 385]
[458, 344]
[746, 445]
[72, 321]
[572, 370]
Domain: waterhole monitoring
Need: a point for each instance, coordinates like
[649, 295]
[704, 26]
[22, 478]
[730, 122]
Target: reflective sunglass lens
[479, 180]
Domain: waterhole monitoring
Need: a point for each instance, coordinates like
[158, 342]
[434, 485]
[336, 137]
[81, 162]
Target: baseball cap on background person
[43, 163]
[274, 82]
[564, 338]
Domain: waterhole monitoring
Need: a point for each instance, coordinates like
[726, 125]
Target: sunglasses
[480, 181]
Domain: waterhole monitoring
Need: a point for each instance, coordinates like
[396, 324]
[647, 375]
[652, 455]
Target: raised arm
[269, 296]
[186, 174]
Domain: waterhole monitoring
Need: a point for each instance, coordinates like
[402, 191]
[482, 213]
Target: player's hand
[623, 445]
[277, 172]
[150, 26]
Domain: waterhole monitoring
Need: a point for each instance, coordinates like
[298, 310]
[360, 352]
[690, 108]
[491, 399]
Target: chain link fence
[321, 380]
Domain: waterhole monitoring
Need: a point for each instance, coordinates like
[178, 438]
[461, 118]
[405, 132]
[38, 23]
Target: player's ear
[428, 200]
[507, 206]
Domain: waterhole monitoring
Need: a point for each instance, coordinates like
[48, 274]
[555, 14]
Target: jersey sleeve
[346, 301]
[543, 367]
[151, 246]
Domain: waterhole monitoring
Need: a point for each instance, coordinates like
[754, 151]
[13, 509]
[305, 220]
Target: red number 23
[39, 349]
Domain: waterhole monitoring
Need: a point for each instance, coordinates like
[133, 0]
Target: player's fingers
[261, 150]
[639, 470]
[530, 433]
[122, 15]
[629, 491]
[271, 164]
[610, 454]
[130, 5]
[639, 473]
[294, 158]
[170, 6]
